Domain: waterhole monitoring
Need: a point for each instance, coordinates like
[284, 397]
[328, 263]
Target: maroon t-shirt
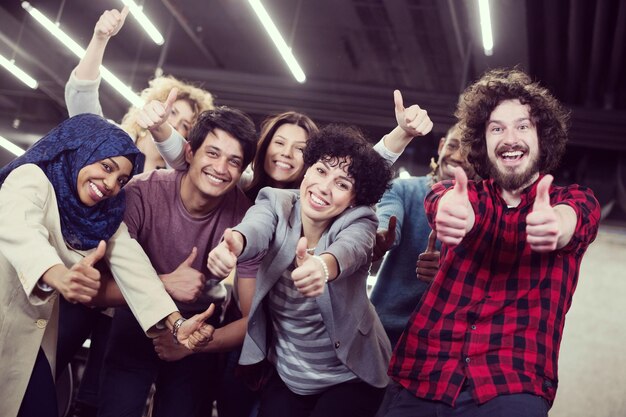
[157, 219]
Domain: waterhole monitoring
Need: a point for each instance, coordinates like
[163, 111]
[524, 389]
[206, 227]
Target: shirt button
[41, 323]
[337, 344]
[473, 327]
[467, 360]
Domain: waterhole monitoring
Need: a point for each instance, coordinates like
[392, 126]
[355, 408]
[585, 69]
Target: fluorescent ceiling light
[107, 75]
[11, 147]
[485, 26]
[278, 40]
[17, 71]
[145, 23]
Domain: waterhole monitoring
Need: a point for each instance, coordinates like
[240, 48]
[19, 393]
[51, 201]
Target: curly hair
[480, 99]
[269, 127]
[159, 87]
[232, 121]
[371, 172]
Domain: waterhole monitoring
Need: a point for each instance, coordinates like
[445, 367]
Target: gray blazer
[273, 225]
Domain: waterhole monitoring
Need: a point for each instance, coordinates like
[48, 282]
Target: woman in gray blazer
[311, 321]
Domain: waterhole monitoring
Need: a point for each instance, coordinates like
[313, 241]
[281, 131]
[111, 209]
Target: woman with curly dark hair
[312, 328]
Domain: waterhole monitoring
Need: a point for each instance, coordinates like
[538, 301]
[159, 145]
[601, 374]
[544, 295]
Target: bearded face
[512, 145]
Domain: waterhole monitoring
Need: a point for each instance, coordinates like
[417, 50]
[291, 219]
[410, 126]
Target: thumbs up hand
[455, 216]
[385, 239]
[156, 113]
[110, 23]
[81, 282]
[309, 276]
[427, 264]
[185, 283]
[413, 120]
[542, 223]
[223, 258]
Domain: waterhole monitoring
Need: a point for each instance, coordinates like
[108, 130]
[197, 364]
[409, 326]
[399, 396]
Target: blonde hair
[159, 88]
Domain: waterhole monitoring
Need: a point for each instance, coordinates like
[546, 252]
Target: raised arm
[81, 90]
[412, 121]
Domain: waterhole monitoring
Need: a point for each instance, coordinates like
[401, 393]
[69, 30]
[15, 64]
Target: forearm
[89, 66]
[109, 294]
[567, 224]
[228, 337]
[397, 140]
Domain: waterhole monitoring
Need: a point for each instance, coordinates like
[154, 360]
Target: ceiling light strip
[18, 72]
[278, 40]
[146, 24]
[77, 50]
[485, 26]
[11, 147]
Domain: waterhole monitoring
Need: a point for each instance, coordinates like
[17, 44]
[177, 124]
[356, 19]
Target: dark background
[354, 53]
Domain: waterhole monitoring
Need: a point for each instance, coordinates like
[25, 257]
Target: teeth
[214, 179]
[512, 154]
[96, 190]
[318, 200]
[283, 165]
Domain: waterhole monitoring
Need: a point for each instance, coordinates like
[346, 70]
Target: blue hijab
[61, 154]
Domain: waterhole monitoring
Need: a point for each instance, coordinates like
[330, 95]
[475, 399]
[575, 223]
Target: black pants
[350, 399]
[40, 399]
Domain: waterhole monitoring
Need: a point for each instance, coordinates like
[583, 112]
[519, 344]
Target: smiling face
[327, 190]
[451, 155]
[215, 168]
[512, 145]
[102, 179]
[283, 158]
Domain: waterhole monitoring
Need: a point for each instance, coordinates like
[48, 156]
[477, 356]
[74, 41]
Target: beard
[511, 181]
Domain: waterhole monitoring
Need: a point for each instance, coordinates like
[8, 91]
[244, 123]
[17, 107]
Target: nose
[221, 165]
[107, 182]
[287, 152]
[324, 185]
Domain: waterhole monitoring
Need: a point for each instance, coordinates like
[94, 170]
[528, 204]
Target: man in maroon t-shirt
[178, 217]
[485, 337]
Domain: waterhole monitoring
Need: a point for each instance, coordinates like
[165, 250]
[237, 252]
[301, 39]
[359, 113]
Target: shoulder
[278, 196]
[28, 175]
[151, 178]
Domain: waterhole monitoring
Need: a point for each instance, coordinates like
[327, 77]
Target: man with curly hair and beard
[484, 339]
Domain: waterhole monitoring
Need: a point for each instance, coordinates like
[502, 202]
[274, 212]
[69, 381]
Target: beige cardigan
[30, 243]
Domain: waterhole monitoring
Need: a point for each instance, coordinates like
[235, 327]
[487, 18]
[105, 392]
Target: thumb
[542, 199]
[460, 185]
[124, 13]
[205, 315]
[397, 100]
[95, 256]
[432, 240]
[301, 248]
[192, 257]
[171, 98]
[229, 239]
[391, 229]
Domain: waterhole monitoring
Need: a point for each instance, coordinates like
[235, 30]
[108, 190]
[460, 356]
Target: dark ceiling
[354, 53]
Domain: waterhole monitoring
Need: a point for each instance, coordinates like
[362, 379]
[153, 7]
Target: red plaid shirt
[495, 312]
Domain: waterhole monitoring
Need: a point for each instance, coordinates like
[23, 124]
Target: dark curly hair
[480, 99]
[234, 122]
[371, 173]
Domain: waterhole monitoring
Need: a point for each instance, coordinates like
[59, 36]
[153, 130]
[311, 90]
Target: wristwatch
[175, 328]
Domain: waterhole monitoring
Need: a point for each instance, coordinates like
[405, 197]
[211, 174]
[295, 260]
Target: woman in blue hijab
[61, 211]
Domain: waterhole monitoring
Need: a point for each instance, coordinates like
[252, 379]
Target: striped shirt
[302, 352]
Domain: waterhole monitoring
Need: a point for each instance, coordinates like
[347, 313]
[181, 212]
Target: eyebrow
[349, 179]
[521, 119]
[284, 137]
[113, 163]
[218, 150]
